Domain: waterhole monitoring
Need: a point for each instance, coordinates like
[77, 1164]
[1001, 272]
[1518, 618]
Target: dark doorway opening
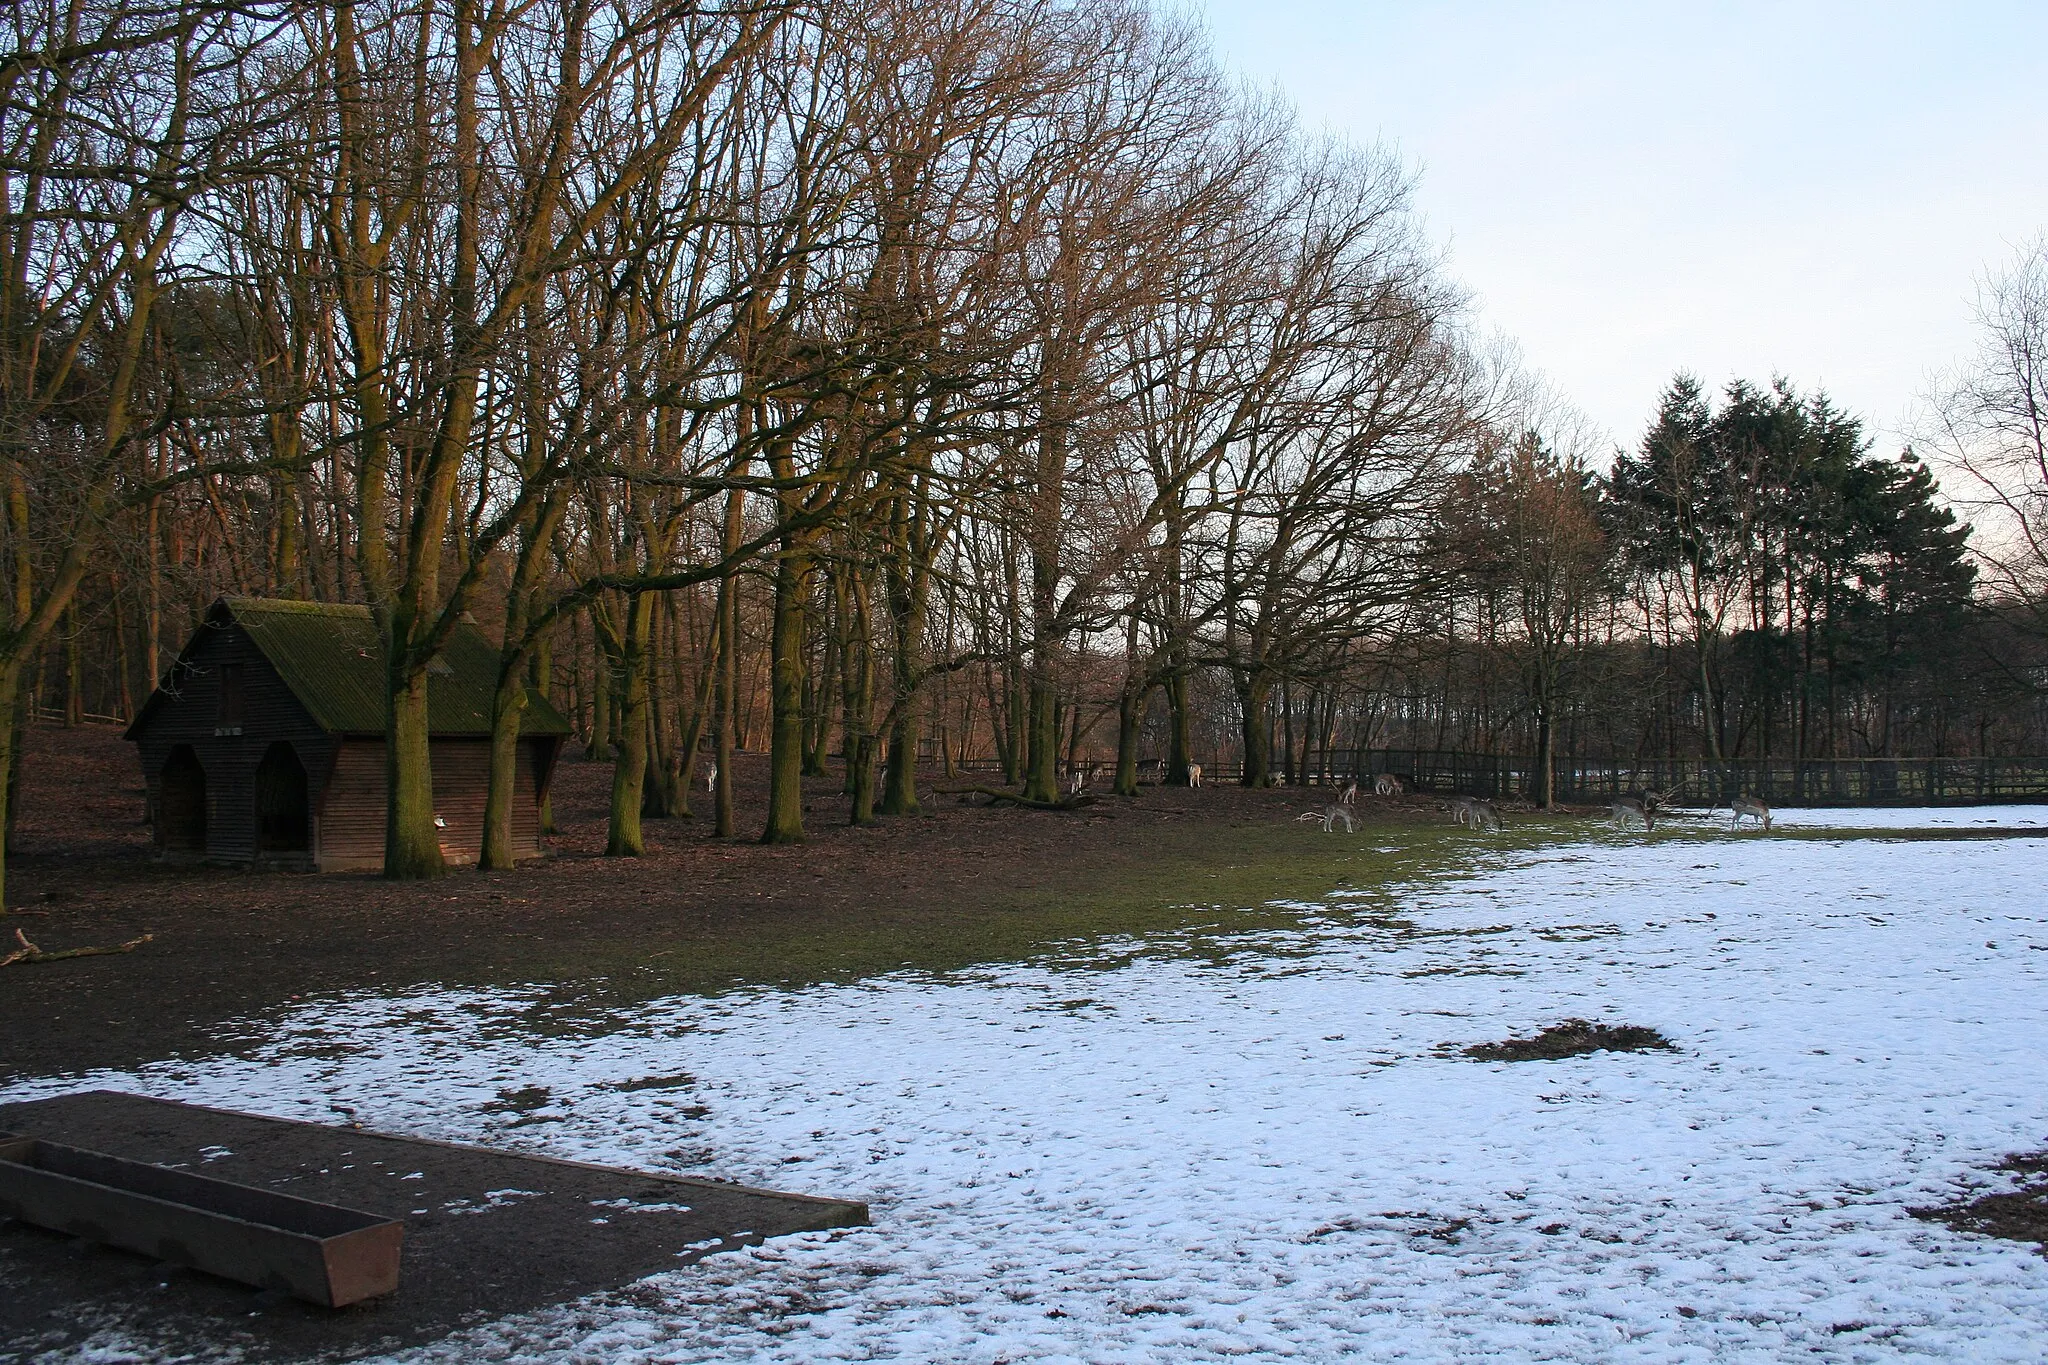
[182, 804]
[283, 814]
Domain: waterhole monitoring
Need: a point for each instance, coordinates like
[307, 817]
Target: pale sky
[1630, 189]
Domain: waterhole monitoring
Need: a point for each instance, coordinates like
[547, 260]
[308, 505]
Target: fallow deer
[1746, 804]
[1330, 815]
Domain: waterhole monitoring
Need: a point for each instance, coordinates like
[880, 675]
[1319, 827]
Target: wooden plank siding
[349, 815]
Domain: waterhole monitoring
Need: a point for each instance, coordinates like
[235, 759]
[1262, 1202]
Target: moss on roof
[332, 658]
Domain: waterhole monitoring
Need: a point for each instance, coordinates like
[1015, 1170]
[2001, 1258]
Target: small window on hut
[230, 715]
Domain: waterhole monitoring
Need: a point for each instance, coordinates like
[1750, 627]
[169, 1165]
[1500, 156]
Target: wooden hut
[265, 743]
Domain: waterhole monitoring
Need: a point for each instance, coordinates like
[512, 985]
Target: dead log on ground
[29, 952]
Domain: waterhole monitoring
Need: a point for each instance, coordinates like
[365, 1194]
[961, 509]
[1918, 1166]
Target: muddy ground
[957, 884]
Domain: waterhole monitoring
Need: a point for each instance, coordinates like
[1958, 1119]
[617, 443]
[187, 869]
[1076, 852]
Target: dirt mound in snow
[2020, 1214]
[1572, 1038]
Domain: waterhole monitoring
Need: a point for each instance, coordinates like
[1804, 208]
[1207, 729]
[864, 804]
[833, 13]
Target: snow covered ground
[1270, 1153]
[1896, 817]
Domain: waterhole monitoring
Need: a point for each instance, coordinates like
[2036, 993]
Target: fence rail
[1782, 782]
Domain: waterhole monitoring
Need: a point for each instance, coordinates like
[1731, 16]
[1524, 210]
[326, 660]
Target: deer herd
[1478, 813]
[1473, 812]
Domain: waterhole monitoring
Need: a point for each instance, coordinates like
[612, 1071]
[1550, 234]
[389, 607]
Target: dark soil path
[961, 883]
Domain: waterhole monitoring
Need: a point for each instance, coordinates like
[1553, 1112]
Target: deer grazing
[1475, 812]
[1624, 809]
[1746, 804]
[1641, 806]
[1330, 815]
[1386, 784]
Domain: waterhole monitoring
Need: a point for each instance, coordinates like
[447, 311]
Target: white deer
[1194, 774]
[1746, 804]
[1349, 796]
[711, 777]
[1386, 784]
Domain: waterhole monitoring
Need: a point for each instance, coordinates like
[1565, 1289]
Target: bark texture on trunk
[412, 841]
[623, 838]
[786, 704]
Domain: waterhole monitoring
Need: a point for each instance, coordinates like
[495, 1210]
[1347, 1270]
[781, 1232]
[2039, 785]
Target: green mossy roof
[330, 655]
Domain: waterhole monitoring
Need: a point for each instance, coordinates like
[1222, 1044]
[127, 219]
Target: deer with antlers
[1330, 815]
[1641, 806]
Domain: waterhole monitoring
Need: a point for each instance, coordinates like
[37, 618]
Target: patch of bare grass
[1572, 1038]
[2019, 1214]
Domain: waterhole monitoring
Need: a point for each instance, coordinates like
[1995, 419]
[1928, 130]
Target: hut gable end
[222, 686]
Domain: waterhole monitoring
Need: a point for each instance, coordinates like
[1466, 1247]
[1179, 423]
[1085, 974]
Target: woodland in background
[887, 384]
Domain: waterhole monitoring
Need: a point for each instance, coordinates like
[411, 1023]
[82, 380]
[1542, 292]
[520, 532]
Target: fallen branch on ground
[998, 794]
[28, 952]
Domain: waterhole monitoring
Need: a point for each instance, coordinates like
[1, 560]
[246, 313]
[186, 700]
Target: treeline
[1753, 580]
[870, 383]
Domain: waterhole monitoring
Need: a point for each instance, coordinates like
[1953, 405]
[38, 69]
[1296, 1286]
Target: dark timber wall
[227, 705]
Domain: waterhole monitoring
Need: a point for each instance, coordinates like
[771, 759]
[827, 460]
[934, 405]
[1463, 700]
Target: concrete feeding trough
[491, 1234]
[322, 1253]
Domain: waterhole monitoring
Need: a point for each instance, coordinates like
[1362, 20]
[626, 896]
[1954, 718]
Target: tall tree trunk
[74, 670]
[124, 660]
[601, 686]
[1180, 726]
[662, 796]
[412, 843]
[1130, 715]
[623, 836]
[899, 790]
[1254, 693]
[786, 700]
[821, 689]
[1041, 774]
[693, 729]
[501, 787]
[1130, 710]
[542, 684]
[859, 688]
[12, 734]
[725, 689]
[1292, 774]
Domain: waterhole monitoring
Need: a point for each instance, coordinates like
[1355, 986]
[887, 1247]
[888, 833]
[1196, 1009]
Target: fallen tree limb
[28, 952]
[1078, 801]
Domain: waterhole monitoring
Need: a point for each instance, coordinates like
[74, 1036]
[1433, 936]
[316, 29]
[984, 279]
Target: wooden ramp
[487, 1233]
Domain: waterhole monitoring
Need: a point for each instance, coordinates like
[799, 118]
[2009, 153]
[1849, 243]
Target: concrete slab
[487, 1233]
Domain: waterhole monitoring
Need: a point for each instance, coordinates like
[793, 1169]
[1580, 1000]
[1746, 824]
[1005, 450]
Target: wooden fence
[1780, 782]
